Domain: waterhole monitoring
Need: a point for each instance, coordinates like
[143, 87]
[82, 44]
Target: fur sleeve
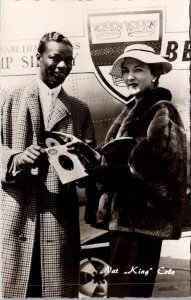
[159, 159]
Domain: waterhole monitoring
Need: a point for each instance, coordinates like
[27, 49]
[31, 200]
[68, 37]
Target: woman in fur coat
[143, 174]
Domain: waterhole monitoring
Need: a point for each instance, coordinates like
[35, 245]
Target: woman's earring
[153, 80]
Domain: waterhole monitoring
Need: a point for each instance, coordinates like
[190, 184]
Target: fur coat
[146, 193]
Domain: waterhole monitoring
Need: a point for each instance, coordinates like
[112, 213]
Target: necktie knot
[50, 94]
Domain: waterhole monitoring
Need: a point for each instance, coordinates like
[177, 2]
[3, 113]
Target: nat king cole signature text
[137, 270]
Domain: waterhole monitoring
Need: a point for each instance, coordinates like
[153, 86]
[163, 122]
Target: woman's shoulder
[162, 100]
[166, 107]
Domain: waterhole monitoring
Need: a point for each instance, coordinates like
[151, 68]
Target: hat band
[140, 50]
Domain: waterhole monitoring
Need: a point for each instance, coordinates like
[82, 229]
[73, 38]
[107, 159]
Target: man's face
[55, 63]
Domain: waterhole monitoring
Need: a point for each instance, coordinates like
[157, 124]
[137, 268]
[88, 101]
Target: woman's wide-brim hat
[145, 54]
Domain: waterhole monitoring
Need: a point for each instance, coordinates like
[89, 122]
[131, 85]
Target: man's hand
[78, 147]
[28, 159]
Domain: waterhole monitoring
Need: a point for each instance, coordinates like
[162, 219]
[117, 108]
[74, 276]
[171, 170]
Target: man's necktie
[52, 100]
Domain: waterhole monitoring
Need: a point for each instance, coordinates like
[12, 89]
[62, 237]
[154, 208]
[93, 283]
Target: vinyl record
[51, 142]
[117, 151]
[49, 139]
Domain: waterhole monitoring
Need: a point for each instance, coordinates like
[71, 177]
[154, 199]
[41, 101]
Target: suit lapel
[34, 107]
[27, 127]
[61, 110]
[31, 103]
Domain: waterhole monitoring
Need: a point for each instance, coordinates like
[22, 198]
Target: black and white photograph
[95, 149]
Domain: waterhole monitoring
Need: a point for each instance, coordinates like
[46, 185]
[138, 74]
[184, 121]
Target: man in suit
[40, 225]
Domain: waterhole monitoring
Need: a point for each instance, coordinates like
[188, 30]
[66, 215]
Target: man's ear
[38, 56]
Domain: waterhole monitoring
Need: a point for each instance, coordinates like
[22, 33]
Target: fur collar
[151, 98]
[129, 118]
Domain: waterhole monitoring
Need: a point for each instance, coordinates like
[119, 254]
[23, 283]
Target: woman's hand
[28, 159]
[78, 147]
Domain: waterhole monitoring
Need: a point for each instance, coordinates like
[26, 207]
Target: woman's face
[137, 76]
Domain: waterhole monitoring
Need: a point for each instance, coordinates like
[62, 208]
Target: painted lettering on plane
[29, 61]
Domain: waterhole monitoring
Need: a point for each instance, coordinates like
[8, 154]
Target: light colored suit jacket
[39, 189]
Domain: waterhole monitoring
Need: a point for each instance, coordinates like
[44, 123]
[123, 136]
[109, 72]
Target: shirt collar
[44, 89]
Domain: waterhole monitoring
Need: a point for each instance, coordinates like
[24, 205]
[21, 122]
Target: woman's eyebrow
[138, 66]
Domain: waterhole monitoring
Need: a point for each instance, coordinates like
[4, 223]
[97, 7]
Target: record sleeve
[67, 165]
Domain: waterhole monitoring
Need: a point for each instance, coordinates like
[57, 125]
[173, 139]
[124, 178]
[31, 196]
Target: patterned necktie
[52, 101]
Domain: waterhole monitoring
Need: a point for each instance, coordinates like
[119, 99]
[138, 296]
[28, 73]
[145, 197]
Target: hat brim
[164, 66]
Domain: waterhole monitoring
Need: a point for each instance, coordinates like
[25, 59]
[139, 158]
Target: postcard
[115, 75]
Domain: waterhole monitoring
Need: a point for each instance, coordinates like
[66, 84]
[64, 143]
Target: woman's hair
[154, 68]
[52, 36]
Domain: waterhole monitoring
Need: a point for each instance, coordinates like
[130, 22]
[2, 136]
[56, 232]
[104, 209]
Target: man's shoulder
[17, 86]
[15, 90]
[78, 103]
[20, 85]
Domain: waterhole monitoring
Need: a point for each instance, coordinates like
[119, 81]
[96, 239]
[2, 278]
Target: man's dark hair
[52, 36]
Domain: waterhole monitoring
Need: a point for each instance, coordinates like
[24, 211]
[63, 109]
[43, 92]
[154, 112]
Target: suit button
[22, 237]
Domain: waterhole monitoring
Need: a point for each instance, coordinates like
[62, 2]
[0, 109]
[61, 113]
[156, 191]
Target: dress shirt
[48, 98]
